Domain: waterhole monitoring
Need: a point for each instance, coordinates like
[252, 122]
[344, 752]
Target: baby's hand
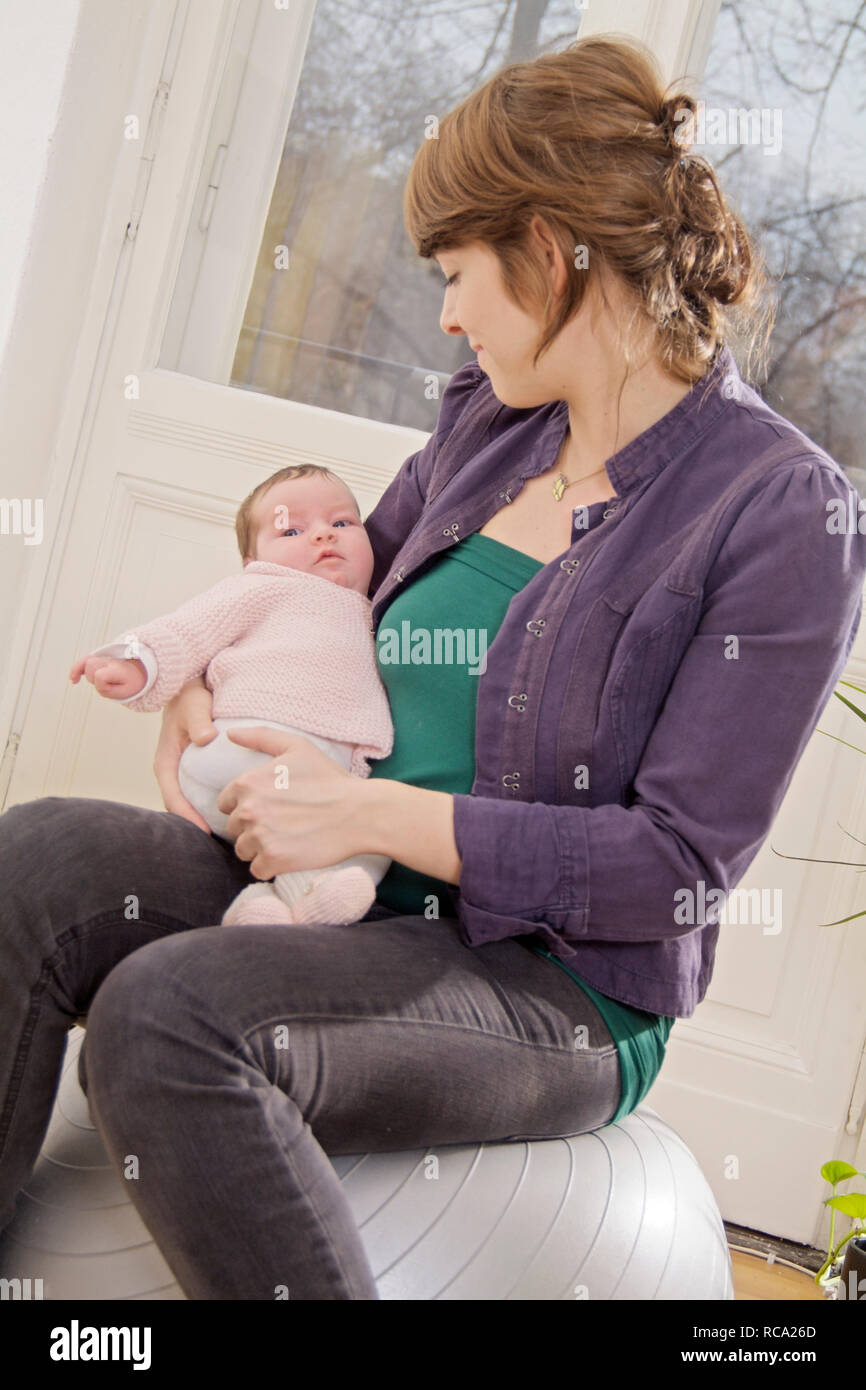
[113, 678]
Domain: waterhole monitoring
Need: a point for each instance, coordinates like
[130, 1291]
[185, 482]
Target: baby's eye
[344, 522]
[289, 531]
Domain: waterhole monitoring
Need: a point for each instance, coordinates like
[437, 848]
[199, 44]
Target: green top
[467, 590]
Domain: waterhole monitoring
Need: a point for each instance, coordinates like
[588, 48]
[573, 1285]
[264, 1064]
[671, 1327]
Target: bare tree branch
[837, 68]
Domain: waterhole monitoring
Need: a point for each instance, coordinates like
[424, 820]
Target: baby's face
[313, 524]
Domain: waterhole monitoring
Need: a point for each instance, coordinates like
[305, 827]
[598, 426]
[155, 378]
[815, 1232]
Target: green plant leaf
[843, 741]
[809, 859]
[840, 920]
[859, 712]
[837, 1170]
[852, 1204]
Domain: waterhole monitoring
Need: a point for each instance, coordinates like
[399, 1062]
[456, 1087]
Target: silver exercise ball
[621, 1213]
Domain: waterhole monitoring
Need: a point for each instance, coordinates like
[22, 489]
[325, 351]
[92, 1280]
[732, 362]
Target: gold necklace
[561, 483]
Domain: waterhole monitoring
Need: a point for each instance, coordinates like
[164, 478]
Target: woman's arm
[304, 811]
[410, 824]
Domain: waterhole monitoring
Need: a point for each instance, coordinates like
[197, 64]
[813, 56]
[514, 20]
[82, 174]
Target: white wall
[35, 42]
[66, 69]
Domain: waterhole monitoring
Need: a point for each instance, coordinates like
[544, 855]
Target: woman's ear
[548, 247]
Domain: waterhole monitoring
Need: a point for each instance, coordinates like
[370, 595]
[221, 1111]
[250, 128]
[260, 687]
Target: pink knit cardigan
[278, 644]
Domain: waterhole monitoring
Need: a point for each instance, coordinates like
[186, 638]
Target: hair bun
[676, 118]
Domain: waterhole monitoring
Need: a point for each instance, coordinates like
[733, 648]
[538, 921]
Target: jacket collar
[646, 455]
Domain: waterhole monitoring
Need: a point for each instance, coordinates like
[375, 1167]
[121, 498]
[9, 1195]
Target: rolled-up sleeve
[780, 610]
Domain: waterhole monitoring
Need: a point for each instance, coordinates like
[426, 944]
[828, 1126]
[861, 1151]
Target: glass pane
[352, 323]
[796, 171]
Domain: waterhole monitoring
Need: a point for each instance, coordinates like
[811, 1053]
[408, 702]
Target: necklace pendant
[559, 486]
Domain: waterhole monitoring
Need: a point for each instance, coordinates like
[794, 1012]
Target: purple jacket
[649, 693]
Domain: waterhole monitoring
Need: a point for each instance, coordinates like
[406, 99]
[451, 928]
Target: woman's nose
[447, 319]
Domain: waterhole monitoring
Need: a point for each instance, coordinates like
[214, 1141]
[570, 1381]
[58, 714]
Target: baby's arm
[182, 644]
[116, 680]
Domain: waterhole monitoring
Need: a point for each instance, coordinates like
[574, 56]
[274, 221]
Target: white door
[170, 454]
[759, 1081]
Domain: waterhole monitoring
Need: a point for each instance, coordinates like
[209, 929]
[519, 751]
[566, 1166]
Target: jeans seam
[19, 1065]
[109, 918]
[327, 1246]
[255, 1029]
[37, 993]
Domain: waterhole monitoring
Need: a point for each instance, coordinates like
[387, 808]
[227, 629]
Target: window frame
[252, 109]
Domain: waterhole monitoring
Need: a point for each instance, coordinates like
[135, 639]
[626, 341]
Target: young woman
[643, 546]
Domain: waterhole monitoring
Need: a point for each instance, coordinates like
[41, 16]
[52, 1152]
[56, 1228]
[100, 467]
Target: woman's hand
[300, 811]
[186, 719]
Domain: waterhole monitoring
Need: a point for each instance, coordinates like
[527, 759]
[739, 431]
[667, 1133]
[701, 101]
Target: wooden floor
[756, 1279]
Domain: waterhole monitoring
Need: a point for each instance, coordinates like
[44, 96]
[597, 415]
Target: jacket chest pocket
[594, 651]
[618, 682]
[641, 682]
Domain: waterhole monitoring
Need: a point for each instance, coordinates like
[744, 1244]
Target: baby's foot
[339, 896]
[257, 906]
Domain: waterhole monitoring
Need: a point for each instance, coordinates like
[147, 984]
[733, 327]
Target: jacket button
[608, 511]
[452, 531]
[399, 575]
[512, 698]
[730, 390]
[569, 565]
[534, 623]
[512, 781]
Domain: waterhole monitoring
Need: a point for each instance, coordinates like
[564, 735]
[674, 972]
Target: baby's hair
[590, 140]
[245, 525]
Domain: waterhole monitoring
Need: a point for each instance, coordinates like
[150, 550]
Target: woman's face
[477, 304]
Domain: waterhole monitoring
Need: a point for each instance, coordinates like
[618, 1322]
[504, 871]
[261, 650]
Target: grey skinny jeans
[232, 1061]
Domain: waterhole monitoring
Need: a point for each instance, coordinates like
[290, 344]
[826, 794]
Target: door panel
[145, 538]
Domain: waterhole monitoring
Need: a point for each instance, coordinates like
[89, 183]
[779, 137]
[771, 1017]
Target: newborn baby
[287, 644]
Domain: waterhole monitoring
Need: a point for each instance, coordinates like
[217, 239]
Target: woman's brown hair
[589, 139]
